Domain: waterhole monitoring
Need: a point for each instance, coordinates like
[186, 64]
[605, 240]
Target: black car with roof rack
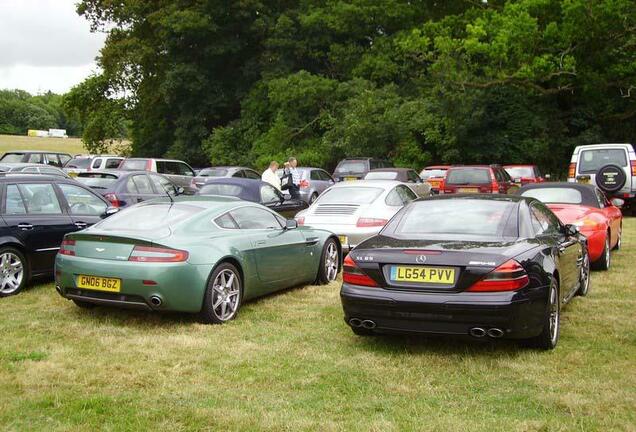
[356, 168]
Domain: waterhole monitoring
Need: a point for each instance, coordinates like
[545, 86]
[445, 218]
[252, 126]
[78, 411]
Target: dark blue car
[255, 191]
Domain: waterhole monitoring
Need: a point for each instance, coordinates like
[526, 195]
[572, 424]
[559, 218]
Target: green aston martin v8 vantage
[192, 254]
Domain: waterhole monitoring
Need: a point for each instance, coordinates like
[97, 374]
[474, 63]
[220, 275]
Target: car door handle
[25, 226]
[260, 242]
[81, 224]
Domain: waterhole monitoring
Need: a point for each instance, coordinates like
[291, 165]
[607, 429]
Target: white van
[612, 167]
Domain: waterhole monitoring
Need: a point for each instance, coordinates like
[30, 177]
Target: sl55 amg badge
[482, 263]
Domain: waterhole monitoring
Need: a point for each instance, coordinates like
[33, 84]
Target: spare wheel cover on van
[611, 178]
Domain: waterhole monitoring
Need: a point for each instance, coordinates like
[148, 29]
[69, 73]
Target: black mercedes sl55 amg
[487, 266]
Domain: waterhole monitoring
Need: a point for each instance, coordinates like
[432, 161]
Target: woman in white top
[269, 175]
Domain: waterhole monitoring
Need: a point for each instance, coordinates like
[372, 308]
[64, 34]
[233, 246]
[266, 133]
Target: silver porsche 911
[356, 210]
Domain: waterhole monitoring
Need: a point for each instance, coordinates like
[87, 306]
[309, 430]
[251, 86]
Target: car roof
[4, 176]
[437, 167]
[155, 159]
[471, 166]
[115, 172]
[487, 197]
[519, 165]
[386, 184]
[236, 167]
[392, 170]
[588, 191]
[25, 164]
[37, 151]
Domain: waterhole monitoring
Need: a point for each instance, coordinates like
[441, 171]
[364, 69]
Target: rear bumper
[180, 286]
[518, 314]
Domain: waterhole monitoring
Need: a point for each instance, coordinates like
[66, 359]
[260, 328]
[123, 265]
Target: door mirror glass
[291, 224]
[617, 202]
[571, 230]
[110, 211]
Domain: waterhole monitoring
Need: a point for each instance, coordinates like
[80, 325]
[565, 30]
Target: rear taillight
[441, 187]
[148, 165]
[353, 275]
[113, 200]
[633, 167]
[494, 186]
[300, 220]
[304, 184]
[67, 247]
[510, 276]
[370, 222]
[572, 170]
[590, 224]
[193, 184]
[155, 254]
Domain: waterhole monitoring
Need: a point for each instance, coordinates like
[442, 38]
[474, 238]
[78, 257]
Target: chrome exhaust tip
[368, 324]
[155, 301]
[495, 333]
[355, 322]
[58, 289]
[477, 332]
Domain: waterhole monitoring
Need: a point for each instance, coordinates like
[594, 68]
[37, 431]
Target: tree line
[416, 81]
[21, 111]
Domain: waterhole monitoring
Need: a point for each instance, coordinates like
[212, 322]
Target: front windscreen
[213, 172]
[350, 195]
[133, 165]
[556, 195]
[157, 219]
[351, 167]
[463, 176]
[593, 160]
[12, 157]
[454, 216]
[381, 175]
[221, 189]
[520, 172]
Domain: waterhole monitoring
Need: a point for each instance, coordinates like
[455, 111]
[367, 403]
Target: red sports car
[587, 207]
[524, 174]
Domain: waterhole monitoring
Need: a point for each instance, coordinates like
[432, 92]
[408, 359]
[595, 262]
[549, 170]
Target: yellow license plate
[343, 240]
[468, 190]
[98, 283]
[72, 174]
[584, 180]
[430, 275]
[434, 183]
[350, 178]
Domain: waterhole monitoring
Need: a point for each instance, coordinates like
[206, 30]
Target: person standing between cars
[294, 187]
[269, 175]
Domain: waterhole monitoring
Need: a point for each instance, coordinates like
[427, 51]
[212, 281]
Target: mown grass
[290, 363]
[71, 146]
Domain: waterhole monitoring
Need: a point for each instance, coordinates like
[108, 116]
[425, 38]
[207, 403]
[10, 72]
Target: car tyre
[605, 261]
[584, 276]
[14, 271]
[84, 304]
[329, 263]
[223, 295]
[619, 243]
[549, 336]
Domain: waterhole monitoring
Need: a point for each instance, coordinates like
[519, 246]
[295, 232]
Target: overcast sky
[45, 45]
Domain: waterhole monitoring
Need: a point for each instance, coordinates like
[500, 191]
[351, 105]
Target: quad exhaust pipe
[357, 322]
[478, 332]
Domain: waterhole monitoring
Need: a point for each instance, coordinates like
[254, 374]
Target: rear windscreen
[520, 172]
[381, 175]
[557, 195]
[156, 218]
[133, 165]
[454, 216]
[425, 174]
[468, 176]
[97, 180]
[82, 163]
[213, 172]
[350, 195]
[593, 160]
[351, 167]
[221, 189]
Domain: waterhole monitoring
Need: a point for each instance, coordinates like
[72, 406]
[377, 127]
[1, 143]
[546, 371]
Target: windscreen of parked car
[593, 160]
[12, 157]
[520, 172]
[350, 195]
[559, 195]
[381, 175]
[133, 165]
[81, 163]
[461, 176]
[97, 180]
[428, 173]
[221, 189]
[452, 217]
[213, 172]
[156, 219]
[351, 167]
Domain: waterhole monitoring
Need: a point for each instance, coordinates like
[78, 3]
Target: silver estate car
[313, 182]
[356, 210]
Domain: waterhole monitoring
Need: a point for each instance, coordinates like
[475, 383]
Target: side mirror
[617, 202]
[571, 230]
[110, 211]
[291, 224]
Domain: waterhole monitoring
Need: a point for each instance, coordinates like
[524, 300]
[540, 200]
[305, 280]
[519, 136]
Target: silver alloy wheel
[12, 274]
[225, 295]
[554, 314]
[608, 255]
[331, 262]
[585, 274]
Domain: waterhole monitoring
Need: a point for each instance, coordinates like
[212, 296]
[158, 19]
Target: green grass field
[288, 362]
[72, 146]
